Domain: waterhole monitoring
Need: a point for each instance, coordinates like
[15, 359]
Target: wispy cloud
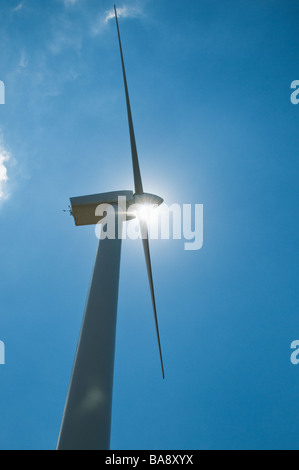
[23, 62]
[68, 3]
[124, 12]
[65, 34]
[4, 158]
[18, 7]
[65, 39]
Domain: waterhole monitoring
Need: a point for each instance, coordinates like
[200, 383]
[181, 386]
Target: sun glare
[145, 212]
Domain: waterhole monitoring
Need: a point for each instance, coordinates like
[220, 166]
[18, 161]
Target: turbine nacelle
[84, 208]
[148, 199]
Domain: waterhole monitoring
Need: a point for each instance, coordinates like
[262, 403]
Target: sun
[146, 212]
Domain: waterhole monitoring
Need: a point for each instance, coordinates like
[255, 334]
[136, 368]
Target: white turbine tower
[86, 421]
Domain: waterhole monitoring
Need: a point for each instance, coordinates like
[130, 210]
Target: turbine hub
[148, 199]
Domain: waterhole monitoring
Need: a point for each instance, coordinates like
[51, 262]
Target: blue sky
[210, 92]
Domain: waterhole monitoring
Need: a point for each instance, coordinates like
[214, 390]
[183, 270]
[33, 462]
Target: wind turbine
[86, 421]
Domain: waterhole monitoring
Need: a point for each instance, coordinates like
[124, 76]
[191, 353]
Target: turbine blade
[144, 233]
[136, 168]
